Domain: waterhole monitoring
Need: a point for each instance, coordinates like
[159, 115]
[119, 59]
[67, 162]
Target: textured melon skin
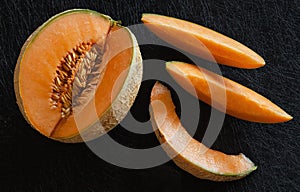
[120, 105]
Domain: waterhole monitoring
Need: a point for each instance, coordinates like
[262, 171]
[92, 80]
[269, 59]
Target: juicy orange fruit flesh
[117, 58]
[241, 102]
[184, 146]
[203, 42]
[43, 55]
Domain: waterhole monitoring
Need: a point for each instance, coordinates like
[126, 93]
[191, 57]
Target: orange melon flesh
[241, 102]
[118, 56]
[188, 153]
[47, 46]
[203, 42]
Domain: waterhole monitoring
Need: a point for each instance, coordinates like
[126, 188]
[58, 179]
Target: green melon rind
[210, 175]
[121, 104]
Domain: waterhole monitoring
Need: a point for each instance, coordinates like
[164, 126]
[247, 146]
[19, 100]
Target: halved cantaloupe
[203, 42]
[78, 59]
[188, 153]
[241, 102]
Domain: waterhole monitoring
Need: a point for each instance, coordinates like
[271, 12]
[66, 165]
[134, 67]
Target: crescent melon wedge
[189, 154]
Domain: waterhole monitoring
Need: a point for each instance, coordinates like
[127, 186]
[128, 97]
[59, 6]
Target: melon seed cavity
[76, 77]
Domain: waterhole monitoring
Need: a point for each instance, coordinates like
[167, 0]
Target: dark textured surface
[31, 162]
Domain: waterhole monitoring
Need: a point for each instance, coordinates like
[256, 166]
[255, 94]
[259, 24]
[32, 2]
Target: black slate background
[31, 162]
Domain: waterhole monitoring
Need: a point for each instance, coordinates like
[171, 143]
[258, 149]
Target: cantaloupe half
[188, 153]
[78, 68]
[203, 42]
[241, 102]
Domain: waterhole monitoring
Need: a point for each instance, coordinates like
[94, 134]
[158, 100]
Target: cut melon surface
[241, 102]
[42, 57]
[188, 153]
[203, 42]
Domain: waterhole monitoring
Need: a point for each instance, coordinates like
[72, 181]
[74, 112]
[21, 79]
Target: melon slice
[203, 42]
[78, 68]
[188, 153]
[241, 102]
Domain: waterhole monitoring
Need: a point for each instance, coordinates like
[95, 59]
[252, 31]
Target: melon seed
[65, 75]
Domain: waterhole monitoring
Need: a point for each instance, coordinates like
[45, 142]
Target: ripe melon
[189, 154]
[241, 102]
[203, 42]
[78, 68]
